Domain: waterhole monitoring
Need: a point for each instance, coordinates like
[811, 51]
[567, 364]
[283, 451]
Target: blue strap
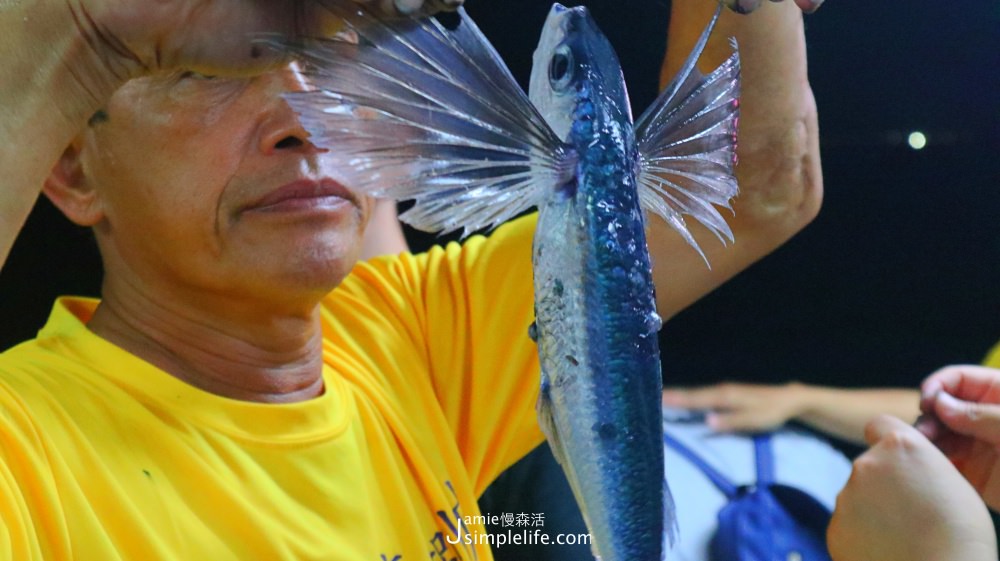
[765, 459]
[723, 484]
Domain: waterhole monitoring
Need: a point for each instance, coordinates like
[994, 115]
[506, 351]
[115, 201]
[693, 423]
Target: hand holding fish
[130, 38]
[905, 501]
[747, 6]
[962, 408]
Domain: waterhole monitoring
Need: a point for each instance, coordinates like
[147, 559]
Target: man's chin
[318, 273]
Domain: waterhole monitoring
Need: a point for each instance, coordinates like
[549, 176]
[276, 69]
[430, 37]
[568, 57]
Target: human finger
[930, 426]
[808, 6]
[882, 426]
[964, 381]
[409, 7]
[747, 6]
[978, 420]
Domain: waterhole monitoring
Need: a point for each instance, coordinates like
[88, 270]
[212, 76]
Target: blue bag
[766, 521]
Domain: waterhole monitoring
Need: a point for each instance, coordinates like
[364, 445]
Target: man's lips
[304, 193]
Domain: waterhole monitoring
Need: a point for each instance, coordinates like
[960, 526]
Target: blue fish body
[596, 320]
[411, 109]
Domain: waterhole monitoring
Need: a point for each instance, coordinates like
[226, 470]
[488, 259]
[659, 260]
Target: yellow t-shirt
[993, 357]
[430, 391]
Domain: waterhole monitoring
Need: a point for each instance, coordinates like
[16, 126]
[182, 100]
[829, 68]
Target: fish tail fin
[687, 146]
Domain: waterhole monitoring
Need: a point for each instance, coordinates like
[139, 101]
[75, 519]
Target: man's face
[211, 185]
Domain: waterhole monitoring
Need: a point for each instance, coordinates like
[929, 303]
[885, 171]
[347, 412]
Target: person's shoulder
[33, 394]
[32, 372]
[52, 374]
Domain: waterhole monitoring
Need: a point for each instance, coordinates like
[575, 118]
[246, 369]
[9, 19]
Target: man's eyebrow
[101, 116]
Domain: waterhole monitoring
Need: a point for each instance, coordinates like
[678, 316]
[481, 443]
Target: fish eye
[561, 67]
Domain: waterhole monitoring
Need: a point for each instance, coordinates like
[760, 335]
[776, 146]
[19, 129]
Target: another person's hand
[740, 407]
[905, 501]
[747, 6]
[961, 405]
[130, 38]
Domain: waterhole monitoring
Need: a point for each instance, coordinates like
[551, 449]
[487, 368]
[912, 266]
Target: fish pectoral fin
[548, 423]
[412, 109]
[687, 145]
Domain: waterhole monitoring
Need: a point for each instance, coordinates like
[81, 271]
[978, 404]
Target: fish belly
[601, 379]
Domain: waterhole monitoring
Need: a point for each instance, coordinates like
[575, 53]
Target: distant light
[917, 140]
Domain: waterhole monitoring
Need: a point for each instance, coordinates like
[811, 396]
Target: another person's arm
[779, 164]
[839, 412]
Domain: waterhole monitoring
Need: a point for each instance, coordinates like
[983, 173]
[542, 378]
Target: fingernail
[949, 401]
[815, 6]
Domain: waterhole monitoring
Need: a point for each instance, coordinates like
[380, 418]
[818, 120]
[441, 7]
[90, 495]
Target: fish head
[576, 74]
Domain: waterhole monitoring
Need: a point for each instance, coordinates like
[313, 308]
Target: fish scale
[607, 405]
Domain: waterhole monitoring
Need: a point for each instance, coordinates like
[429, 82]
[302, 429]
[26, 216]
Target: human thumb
[977, 420]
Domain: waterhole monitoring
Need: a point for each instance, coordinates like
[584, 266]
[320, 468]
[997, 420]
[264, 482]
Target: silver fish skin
[414, 109]
[596, 323]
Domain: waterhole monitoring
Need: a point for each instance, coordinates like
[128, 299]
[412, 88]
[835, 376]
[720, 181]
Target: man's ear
[70, 191]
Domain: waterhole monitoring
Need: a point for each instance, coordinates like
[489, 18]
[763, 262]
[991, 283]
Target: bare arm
[845, 412]
[779, 167]
[44, 103]
[384, 235]
[842, 413]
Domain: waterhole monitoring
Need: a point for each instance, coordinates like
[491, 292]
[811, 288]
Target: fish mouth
[305, 194]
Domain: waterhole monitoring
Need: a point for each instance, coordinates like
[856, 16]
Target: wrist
[797, 397]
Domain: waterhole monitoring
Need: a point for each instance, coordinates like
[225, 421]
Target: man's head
[197, 186]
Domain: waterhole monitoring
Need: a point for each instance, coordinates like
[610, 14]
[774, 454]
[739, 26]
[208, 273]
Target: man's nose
[282, 130]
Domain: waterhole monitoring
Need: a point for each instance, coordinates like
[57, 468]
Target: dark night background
[897, 276]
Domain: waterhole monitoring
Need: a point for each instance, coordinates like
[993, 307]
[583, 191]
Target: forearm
[843, 413]
[46, 99]
[779, 167]
[384, 233]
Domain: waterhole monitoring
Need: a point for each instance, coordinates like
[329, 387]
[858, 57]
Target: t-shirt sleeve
[446, 333]
[484, 367]
[23, 470]
[14, 539]
[993, 357]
